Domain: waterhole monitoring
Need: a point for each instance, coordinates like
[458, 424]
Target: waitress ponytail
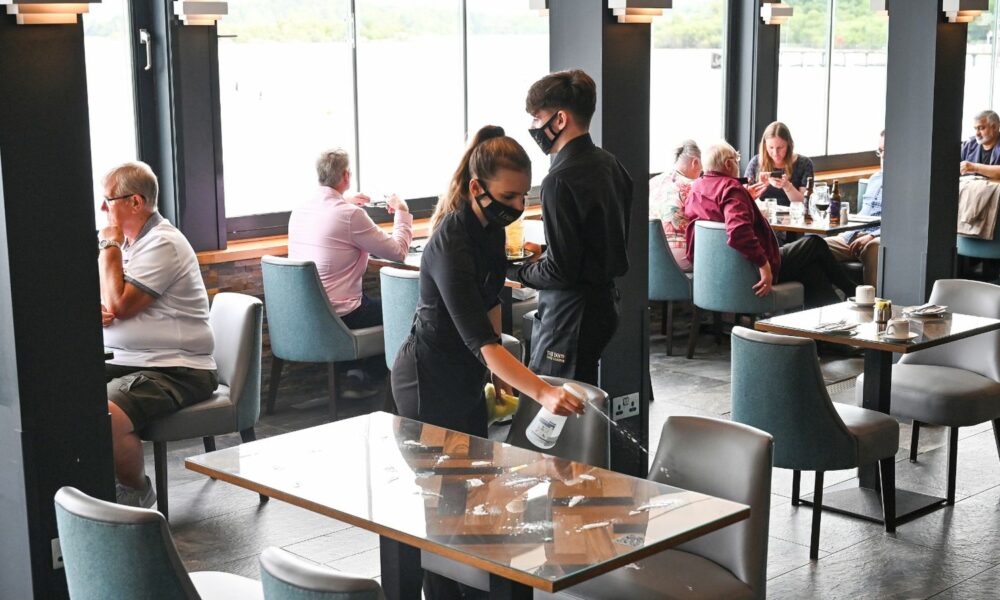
[489, 151]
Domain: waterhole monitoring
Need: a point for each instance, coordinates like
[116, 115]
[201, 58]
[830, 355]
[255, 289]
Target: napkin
[925, 310]
[837, 328]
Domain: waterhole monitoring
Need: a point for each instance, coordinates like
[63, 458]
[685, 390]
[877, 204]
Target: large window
[508, 50]
[686, 78]
[833, 106]
[109, 90]
[287, 93]
[981, 90]
[410, 95]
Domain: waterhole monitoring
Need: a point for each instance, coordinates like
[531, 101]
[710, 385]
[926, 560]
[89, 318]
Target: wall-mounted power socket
[624, 407]
[57, 559]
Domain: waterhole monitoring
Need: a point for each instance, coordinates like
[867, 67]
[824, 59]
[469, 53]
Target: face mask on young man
[543, 140]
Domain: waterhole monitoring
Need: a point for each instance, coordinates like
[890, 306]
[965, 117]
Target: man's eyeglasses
[880, 153]
[116, 198]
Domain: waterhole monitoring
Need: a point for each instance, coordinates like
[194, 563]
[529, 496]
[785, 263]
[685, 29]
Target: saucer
[513, 258]
[909, 337]
[861, 304]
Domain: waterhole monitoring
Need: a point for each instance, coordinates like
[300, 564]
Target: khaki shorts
[147, 393]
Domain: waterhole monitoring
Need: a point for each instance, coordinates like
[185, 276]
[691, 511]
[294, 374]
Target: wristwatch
[109, 244]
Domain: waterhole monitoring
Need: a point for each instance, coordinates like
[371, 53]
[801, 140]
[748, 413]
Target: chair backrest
[584, 439]
[400, 293]
[285, 576]
[862, 188]
[114, 551]
[236, 321]
[977, 248]
[979, 354]
[730, 461]
[723, 278]
[777, 386]
[667, 282]
[301, 324]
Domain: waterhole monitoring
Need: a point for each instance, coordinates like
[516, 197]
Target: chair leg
[887, 471]
[796, 482]
[717, 327]
[952, 463]
[160, 468]
[331, 371]
[914, 440]
[693, 335]
[209, 442]
[668, 325]
[272, 394]
[249, 435]
[663, 321]
[817, 513]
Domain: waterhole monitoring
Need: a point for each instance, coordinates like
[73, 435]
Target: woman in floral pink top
[667, 193]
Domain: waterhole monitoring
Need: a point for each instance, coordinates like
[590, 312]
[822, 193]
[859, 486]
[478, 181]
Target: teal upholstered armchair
[667, 282]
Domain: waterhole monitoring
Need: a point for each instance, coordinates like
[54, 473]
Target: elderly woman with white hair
[667, 193]
[719, 196]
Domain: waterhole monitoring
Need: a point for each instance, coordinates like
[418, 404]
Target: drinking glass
[515, 239]
[797, 210]
[772, 209]
[821, 199]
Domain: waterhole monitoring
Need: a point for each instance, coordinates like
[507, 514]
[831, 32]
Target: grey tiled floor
[953, 553]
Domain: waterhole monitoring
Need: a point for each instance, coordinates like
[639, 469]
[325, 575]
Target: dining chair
[235, 405]
[668, 284]
[400, 291]
[724, 280]
[115, 551]
[954, 385]
[584, 439]
[285, 576]
[303, 327]
[777, 386]
[718, 458]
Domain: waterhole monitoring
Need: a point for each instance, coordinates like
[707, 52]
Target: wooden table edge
[479, 563]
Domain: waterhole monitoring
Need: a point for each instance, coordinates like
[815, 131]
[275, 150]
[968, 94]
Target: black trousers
[810, 262]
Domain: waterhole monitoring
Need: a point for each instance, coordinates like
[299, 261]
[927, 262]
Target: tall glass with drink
[821, 199]
[515, 239]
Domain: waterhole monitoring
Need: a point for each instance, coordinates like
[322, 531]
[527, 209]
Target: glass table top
[541, 520]
[930, 331]
[784, 222]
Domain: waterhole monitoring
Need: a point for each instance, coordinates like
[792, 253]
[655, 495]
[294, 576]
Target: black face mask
[543, 141]
[497, 213]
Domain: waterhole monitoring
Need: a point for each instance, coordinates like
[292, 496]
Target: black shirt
[801, 171]
[586, 203]
[461, 277]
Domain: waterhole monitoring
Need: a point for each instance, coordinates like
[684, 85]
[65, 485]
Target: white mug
[864, 294]
[898, 329]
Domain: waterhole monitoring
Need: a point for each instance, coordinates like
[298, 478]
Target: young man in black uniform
[586, 202]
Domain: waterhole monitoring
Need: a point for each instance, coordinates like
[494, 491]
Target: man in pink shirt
[338, 235]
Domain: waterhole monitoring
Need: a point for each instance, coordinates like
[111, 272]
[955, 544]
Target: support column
[751, 59]
[585, 35]
[926, 80]
[54, 424]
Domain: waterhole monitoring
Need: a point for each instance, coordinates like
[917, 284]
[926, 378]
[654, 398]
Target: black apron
[570, 331]
[440, 386]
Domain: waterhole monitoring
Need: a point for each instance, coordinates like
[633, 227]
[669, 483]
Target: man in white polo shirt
[154, 310]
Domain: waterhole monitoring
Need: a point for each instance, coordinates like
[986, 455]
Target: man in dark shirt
[718, 196]
[980, 154]
[586, 202]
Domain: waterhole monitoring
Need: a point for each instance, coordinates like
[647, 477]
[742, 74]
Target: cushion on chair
[215, 585]
[369, 341]
[877, 434]
[214, 416]
[669, 574]
[941, 395]
[787, 296]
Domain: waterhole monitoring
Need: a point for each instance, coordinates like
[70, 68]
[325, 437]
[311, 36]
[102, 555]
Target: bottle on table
[835, 205]
[808, 196]
[545, 428]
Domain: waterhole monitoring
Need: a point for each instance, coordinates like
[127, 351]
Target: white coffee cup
[864, 294]
[898, 329]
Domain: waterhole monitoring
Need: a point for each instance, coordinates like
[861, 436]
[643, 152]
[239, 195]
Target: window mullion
[353, 32]
[829, 76]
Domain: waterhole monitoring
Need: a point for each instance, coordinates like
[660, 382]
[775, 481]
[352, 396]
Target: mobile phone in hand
[777, 173]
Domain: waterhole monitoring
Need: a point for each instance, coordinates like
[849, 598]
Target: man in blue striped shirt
[863, 244]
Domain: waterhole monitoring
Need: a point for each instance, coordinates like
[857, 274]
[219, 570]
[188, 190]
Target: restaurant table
[784, 222]
[531, 520]
[412, 263]
[863, 501]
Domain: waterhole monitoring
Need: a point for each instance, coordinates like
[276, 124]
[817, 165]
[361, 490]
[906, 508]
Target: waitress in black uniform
[440, 370]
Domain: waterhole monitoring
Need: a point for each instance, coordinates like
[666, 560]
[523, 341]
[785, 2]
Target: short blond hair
[716, 156]
[331, 165]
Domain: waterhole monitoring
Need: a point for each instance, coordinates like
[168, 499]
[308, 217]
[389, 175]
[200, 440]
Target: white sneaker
[144, 498]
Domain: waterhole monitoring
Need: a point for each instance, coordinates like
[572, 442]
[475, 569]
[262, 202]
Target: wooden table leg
[402, 577]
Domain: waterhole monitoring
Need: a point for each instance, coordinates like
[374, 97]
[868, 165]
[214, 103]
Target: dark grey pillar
[179, 110]
[585, 35]
[924, 96]
[54, 426]
[751, 59]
